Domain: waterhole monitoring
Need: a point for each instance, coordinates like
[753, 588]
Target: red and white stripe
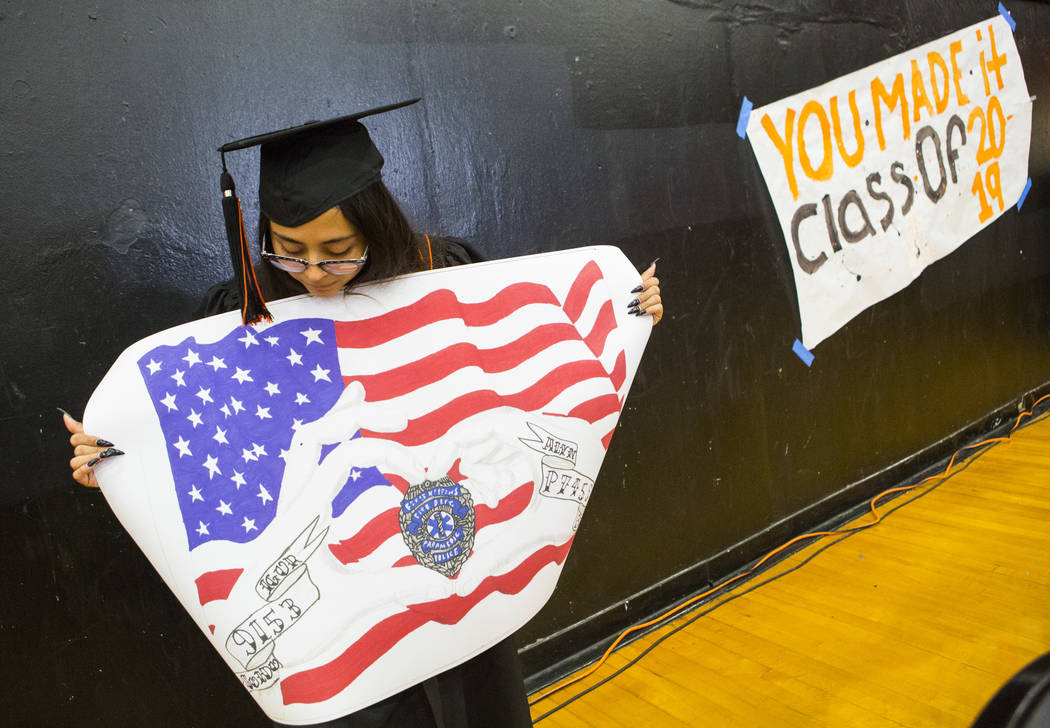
[520, 347]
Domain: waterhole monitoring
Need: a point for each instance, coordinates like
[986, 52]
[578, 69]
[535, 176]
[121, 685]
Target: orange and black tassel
[253, 306]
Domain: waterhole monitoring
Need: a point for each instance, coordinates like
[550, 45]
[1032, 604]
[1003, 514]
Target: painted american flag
[264, 431]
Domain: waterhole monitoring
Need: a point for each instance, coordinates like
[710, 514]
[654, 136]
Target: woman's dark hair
[392, 244]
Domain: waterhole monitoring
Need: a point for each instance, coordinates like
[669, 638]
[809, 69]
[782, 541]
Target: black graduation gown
[487, 690]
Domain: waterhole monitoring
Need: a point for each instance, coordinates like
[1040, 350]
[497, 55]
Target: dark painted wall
[545, 125]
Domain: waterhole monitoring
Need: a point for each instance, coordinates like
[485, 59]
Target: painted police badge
[437, 523]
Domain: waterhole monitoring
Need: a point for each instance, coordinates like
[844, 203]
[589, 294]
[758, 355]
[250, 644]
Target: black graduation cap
[303, 171]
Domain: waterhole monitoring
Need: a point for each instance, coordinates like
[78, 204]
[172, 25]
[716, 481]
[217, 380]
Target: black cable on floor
[969, 461]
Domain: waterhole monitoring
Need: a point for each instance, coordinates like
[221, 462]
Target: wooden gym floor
[914, 622]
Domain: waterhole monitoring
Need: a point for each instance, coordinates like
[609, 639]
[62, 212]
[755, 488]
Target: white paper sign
[879, 173]
[372, 488]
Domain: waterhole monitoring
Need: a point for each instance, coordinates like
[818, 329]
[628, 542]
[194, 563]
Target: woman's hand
[88, 451]
[648, 302]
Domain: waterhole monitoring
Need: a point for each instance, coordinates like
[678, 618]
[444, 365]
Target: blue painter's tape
[1024, 193]
[745, 115]
[803, 353]
[1006, 14]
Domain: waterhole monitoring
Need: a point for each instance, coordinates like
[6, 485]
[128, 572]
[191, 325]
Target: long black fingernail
[103, 443]
[64, 412]
[636, 289]
[634, 310]
[654, 262]
[635, 302]
[110, 452]
[92, 463]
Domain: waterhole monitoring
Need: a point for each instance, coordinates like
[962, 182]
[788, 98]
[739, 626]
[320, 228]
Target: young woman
[328, 223]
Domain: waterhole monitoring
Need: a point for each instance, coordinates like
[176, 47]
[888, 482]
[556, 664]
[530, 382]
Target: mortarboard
[303, 171]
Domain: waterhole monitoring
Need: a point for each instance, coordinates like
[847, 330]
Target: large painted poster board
[372, 488]
[881, 172]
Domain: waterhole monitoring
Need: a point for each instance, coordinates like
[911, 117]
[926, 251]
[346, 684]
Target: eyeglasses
[343, 267]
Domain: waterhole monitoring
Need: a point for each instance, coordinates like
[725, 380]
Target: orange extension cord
[874, 512]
